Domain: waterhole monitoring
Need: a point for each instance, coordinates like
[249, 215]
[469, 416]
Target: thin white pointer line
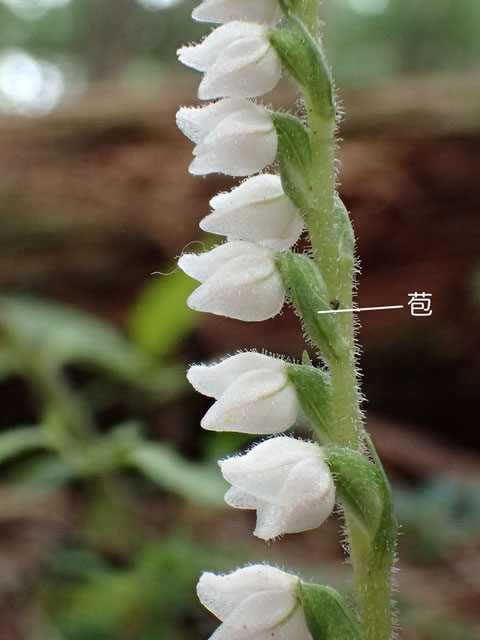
[396, 306]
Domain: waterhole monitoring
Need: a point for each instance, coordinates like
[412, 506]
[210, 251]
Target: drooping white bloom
[252, 391]
[220, 11]
[286, 480]
[238, 61]
[258, 602]
[233, 136]
[258, 210]
[239, 280]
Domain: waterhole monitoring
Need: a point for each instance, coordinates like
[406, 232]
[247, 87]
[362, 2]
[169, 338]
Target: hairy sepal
[327, 614]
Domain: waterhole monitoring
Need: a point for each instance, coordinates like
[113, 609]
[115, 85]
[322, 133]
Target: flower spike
[287, 481]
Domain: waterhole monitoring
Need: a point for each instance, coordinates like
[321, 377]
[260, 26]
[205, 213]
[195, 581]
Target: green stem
[324, 240]
[373, 586]
[372, 579]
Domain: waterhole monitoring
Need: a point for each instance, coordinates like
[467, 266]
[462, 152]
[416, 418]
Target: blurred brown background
[95, 197]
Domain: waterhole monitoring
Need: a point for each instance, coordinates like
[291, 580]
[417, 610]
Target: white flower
[252, 391]
[286, 480]
[258, 210]
[233, 136]
[238, 61]
[239, 280]
[261, 11]
[258, 602]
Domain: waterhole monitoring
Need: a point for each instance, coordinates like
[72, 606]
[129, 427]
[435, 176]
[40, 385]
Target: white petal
[257, 210]
[259, 612]
[299, 511]
[202, 56]
[262, 470]
[246, 288]
[242, 143]
[246, 68]
[239, 499]
[288, 481]
[214, 379]
[261, 11]
[257, 402]
[222, 594]
[196, 122]
[265, 187]
[294, 628]
[203, 265]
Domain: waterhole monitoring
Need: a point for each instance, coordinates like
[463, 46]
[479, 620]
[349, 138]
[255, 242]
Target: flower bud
[287, 481]
[239, 280]
[252, 391]
[254, 603]
[233, 136]
[238, 61]
[220, 11]
[258, 210]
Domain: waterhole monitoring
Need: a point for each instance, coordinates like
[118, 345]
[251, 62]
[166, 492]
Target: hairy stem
[372, 579]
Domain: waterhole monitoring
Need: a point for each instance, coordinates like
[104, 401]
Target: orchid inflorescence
[291, 483]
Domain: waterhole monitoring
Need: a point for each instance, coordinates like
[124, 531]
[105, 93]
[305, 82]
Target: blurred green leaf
[160, 319]
[20, 440]
[149, 599]
[46, 473]
[197, 483]
[9, 364]
[69, 336]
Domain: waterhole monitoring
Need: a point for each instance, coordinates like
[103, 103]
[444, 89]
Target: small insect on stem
[335, 304]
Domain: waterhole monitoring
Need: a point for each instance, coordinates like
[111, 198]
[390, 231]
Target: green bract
[346, 237]
[307, 290]
[365, 494]
[294, 159]
[328, 616]
[314, 391]
[305, 61]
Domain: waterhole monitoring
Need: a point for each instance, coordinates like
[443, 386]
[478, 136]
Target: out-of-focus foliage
[435, 624]
[40, 339]
[50, 49]
[160, 319]
[438, 517]
[379, 38]
[66, 336]
[152, 598]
